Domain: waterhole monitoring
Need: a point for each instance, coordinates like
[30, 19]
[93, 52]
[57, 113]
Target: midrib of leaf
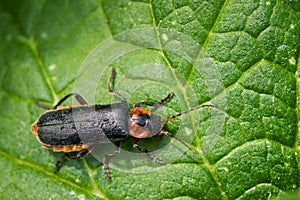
[33, 47]
[183, 90]
[37, 168]
[73, 80]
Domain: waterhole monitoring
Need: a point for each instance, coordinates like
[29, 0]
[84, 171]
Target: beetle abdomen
[84, 125]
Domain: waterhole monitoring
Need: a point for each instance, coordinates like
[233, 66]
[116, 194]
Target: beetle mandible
[79, 128]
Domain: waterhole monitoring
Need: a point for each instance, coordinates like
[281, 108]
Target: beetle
[79, 128]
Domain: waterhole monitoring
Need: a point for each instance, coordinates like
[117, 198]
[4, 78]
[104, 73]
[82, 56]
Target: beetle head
[143, 124]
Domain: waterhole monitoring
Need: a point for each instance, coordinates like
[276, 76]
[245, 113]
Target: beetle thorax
[139, 123]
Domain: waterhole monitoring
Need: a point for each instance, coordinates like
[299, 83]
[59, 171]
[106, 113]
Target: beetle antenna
[187, 111]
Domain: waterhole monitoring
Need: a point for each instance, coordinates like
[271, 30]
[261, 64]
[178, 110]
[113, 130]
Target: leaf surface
[247, 65]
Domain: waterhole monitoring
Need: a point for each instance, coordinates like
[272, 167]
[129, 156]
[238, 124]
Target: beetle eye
[142, 119]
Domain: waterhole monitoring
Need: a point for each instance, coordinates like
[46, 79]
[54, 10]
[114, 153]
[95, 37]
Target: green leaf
[241, 56]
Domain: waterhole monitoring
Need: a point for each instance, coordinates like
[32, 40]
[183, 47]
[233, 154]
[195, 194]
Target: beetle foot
[106, 167]
[107, 173]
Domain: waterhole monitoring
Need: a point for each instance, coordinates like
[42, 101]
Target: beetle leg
[61, 159]
[84, 152]
[65, 156]
[147, 151]
[41, 105]
[110, 84]
[106, 160]
[59, 162]
[157, 104]
[77, 96]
